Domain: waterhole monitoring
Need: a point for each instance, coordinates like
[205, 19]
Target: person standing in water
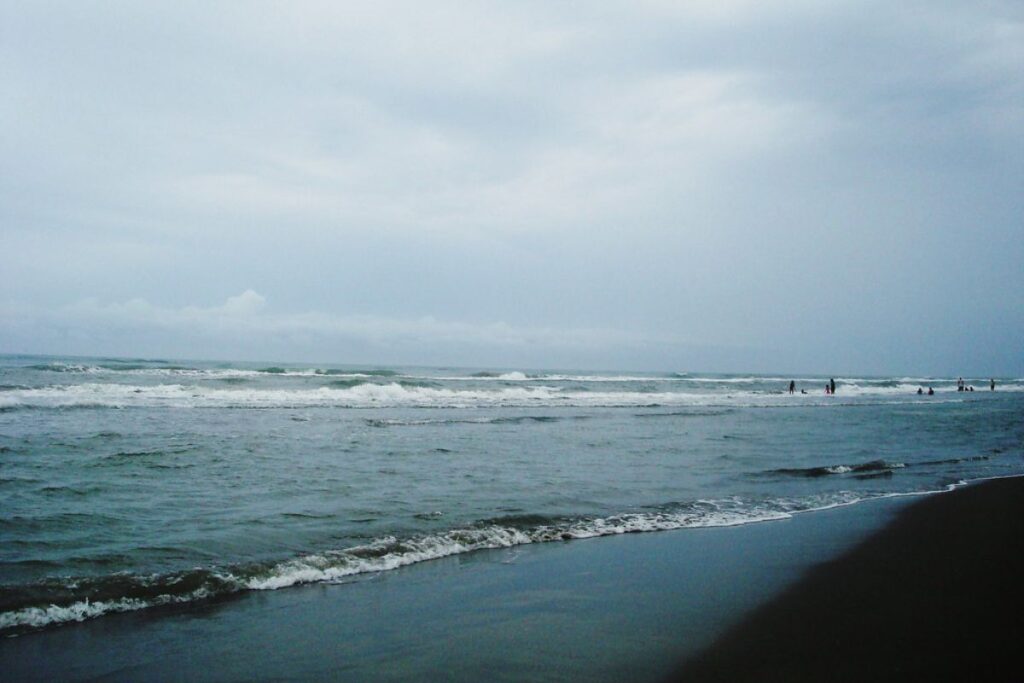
[992, 384]
[792, 386]
[832, 387]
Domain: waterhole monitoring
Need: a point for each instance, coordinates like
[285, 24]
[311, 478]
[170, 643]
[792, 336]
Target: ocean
[129, 484]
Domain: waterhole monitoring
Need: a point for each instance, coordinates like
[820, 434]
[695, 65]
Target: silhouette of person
[832, 386]
[920, 391]
[931, 392]
[992, 384]
[792, 386]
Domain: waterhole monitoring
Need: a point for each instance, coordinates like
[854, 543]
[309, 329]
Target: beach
[614, 608]
[200, 520]
[544, 342]
[526, 342]
[929, 597]
[922, 597]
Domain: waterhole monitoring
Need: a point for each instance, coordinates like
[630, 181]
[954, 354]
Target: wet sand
[934, 596]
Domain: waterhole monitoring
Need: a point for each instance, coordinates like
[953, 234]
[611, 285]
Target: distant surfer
[792, 386]
[832, 386]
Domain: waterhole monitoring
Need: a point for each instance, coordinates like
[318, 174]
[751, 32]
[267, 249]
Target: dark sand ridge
[933, 596]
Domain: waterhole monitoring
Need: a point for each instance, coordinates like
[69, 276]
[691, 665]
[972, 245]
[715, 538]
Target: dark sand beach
[933, 596]
[924, 598]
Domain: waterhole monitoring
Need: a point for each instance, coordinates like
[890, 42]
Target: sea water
[126, 484]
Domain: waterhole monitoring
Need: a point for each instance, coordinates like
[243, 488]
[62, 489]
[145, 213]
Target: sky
[726, 185]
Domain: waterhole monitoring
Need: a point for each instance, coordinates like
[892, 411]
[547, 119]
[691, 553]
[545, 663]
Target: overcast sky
[721, 185]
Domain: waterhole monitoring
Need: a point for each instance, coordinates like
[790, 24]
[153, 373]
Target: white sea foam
[570, 377]
[206, 373]
[39, 617]
[360, 396]
[393, 394]
[550, 377]
[513, 376]
[844, 383]
[390, 553]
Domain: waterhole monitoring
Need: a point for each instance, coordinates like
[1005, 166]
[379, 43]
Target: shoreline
[928, 597]
[42, 619]
[625, 607]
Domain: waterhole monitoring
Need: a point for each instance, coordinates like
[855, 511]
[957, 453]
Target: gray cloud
[759, 185]
[245, 324]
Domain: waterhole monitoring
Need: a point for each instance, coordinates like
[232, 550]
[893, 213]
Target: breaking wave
[870, 468]
[347, 392]
[515, 419]
[62, 600]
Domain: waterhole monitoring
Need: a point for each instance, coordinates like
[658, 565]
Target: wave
[163, 370]
[61, 600]
[342, 395]
[65, 367]
[167, 370]
[517, 376]
[869, 468]
[698, 412]
[872, 466]
[681, 377]
[162, 367]
[326, 372]
[357, 373]
[362, 395]
[513, 419]
[58, 601]
[409, 393]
